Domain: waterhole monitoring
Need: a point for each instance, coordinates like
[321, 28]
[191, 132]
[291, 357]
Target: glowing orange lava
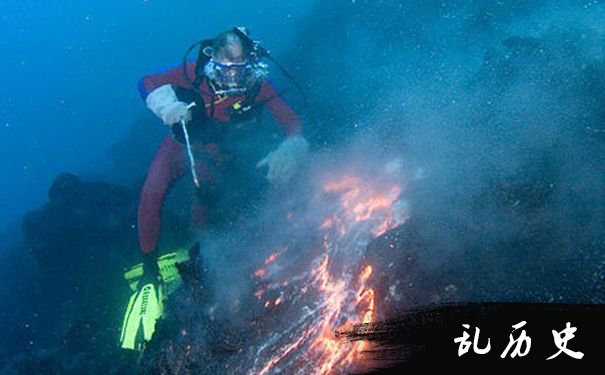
[360, 202]
[365, 211]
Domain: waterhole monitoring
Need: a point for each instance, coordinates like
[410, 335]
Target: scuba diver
[227, 92]
[209, 104]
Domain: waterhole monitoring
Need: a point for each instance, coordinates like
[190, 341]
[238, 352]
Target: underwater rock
[77, 215]
[69, 308]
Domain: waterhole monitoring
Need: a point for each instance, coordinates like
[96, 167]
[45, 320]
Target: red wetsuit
[171, 160]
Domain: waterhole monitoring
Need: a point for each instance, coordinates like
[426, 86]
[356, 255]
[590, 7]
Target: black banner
[489, 336]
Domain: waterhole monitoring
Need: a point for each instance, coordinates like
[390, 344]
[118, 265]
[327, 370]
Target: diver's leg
[206, 195]
[166, 168]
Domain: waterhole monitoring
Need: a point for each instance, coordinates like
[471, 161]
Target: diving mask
[235, 78]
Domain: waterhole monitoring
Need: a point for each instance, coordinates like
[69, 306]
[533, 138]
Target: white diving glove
[286, 160]
[165, 104]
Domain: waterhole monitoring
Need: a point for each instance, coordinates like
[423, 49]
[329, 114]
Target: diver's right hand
[165, 104]
[176, 112]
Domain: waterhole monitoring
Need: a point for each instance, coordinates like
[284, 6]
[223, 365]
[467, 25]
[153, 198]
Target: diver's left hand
[286, 160]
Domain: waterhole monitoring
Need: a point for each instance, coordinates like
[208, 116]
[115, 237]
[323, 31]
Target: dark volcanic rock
[77, 216]
[70, 304]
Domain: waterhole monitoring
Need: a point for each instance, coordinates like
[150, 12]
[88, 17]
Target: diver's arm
[160, 97]
[285, 161]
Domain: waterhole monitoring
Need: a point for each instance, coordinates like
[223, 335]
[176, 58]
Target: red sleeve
[172, 76]
[281, 111]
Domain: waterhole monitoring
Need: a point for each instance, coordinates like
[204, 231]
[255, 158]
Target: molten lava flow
[366, 295]
[338, 298]
[362, 202]
[338, 315]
